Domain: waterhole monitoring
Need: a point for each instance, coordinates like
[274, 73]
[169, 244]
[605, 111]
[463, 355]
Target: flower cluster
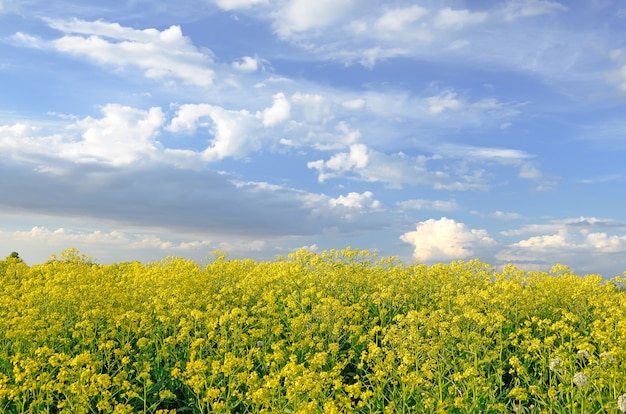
[332, 332]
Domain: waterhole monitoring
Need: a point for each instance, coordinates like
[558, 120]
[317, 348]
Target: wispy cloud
[162, 55]
[517, 9]
[422, 204]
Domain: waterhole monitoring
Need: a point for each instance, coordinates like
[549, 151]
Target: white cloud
[396, 20]
[27, 40]
[516, 9]
[61, 236]
[443, 109]
[246, 64]
[544, 242]
[315, 107]
[277, 113]
[501, 215]
[163, 54]
[121, 137]
[369, 56]
[321, 137]
[356, 200]
[302, 15]
[238, 4]
[445, 239]
[97, 242]
[558, 226]
[342, 162]
[457, 19]
[421, 204]
[9, 133]
[504, 156]
[116, 245]
[394, 171]
[189, 117]
[530, 171]
[346, 138]
[605, 243]
[242, 246]
[447, 100]
[234, 132]
[353, 104]
[571, 242]
[310, 248]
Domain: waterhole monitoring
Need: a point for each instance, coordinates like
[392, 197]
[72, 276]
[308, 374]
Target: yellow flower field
[332, 332]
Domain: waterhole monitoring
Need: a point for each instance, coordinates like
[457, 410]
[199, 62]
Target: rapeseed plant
[337, 331]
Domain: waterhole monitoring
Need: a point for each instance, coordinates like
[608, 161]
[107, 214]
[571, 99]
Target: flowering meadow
[333, 332]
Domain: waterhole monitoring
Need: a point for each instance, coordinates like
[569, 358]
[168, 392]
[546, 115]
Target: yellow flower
[519, 394]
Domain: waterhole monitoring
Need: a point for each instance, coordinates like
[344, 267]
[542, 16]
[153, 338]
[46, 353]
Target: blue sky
[430, 131]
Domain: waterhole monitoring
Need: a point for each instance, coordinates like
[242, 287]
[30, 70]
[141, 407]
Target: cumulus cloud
[246, 64]
[232, 130]
[189, 117]
[515, 9]
[342, 162]
[277, 113]
[353, 204]
[162, 55]
[356, 200]
[125, 136]
[445, 239]
[232, 134]
[122, 136]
